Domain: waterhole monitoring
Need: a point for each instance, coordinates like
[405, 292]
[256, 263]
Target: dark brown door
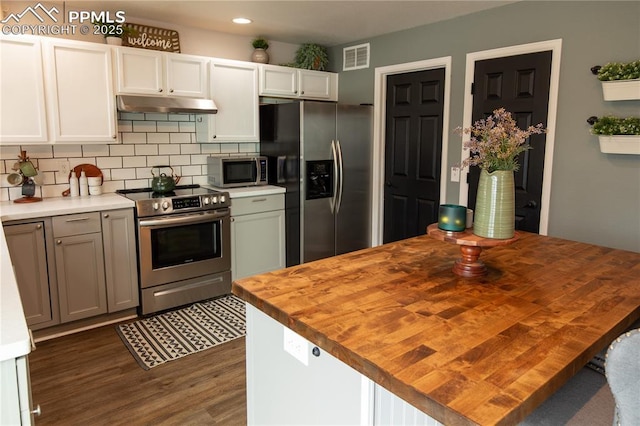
[520, 84]
[413, 148]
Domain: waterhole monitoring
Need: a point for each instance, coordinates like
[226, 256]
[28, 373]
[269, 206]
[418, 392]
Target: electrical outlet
[296, 345]
[63, 167]
[455, 174]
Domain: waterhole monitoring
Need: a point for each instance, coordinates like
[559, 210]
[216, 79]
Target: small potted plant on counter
[260, 55]
[620, 81]
[617, 135]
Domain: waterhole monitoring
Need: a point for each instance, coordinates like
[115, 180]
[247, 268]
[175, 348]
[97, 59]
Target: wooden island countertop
[484, 350]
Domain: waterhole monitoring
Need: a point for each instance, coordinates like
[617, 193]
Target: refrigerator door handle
[340, 176]
[334, 157]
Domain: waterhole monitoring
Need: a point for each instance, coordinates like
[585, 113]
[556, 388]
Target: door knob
[531, 205]
[389, 184]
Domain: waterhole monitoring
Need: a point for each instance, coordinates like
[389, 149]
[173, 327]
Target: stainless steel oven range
[184, 245]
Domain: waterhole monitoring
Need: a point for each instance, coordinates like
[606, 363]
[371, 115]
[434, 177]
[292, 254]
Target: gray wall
[595, 197]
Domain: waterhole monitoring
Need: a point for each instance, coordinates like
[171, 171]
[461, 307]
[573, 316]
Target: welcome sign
[152, 38]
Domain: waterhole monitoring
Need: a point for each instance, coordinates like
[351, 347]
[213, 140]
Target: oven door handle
[185, 220]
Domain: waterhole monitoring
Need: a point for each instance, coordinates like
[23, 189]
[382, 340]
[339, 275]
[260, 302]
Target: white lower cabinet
[15, 392]
[290, 381]
[258, 242]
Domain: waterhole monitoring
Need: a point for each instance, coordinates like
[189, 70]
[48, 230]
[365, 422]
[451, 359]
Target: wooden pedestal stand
[469, 265]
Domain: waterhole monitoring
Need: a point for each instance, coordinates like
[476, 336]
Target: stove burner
[156, 194]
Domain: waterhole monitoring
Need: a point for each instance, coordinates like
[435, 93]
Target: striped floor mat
[171, 335]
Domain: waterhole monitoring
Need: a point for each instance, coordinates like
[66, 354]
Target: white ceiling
[327, 23]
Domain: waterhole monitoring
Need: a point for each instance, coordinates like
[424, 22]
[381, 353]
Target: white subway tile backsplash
[144, 126]
[109, 162]
[146, 149]
[146, 140]
[145, 172]
[168, 149]
[140, 161]
[95, 150]
[158, 138]
[137, 138]
[123, 174]
[121, 150]
[180, 137]
[180, 160]
[155, 116]
[168, 126]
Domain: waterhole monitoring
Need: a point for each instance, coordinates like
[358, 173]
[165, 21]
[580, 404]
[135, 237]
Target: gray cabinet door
[29, 258]
[80, 273]
[121, 271]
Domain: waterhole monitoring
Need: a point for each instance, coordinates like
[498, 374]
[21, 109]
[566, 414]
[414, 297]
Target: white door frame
[379, 115]
[556, 47]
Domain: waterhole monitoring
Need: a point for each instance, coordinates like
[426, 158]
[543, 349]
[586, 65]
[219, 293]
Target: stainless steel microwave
[230, 172]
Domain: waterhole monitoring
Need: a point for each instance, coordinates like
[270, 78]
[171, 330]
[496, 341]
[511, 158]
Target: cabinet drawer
[76, 224]
[257, 204]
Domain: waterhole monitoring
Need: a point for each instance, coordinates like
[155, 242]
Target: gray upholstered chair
[622, 368]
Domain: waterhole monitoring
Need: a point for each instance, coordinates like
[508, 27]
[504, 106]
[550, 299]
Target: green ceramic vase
[495, 205]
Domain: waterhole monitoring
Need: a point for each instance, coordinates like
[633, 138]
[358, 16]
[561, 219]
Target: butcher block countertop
[482, 350]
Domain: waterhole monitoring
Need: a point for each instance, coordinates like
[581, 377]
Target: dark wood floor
[90, 378]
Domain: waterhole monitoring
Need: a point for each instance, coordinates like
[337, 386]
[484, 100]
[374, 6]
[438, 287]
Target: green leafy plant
[311, 56]
[496, 142]
[610, 125]
[618, 71]
[260, 43]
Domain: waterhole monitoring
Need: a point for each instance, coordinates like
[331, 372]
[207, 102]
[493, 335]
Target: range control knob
[165, 205]
[215, 200]
[206, 200]
[156, 206]
[222, 198]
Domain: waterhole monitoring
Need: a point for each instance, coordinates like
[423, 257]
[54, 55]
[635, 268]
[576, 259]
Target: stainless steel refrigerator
[321, 153]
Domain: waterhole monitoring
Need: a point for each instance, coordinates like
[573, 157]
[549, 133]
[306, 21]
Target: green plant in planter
[311, 56]
[610, 125]
[618, 71]
[260, 43]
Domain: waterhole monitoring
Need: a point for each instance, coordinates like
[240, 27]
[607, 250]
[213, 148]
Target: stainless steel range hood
[129, 103]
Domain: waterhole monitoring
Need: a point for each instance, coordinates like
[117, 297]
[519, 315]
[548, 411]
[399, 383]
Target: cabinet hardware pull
[59, 242]
[106, 215]
[38, 226]
[315, 351]
[79, 219]
[171, 90]
[257, 200]
[160, 90]
[37, 411]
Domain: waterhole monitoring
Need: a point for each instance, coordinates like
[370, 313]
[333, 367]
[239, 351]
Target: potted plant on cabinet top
[311, 56]
[620, 81]
[617, 135]
[260, 55]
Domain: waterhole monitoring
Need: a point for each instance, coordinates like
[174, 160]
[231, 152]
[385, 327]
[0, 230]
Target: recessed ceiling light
[242, 21]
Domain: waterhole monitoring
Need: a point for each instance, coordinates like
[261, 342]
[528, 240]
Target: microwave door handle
[334, 157]
[258, 171]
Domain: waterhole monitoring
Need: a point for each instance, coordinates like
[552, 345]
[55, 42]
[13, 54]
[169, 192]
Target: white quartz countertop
[15, 340]
[56, 206]
[251, 191]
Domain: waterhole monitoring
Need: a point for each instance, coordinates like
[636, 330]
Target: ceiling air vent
[355, 57]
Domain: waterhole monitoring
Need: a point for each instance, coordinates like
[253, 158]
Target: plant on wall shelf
[311, 56]
[260, 43]
[614, 71]
[610, 125]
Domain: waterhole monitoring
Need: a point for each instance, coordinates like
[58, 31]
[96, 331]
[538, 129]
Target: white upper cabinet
[234, 89]
[296, 83]
[148, 72]
[80, 97]
[23, 119]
